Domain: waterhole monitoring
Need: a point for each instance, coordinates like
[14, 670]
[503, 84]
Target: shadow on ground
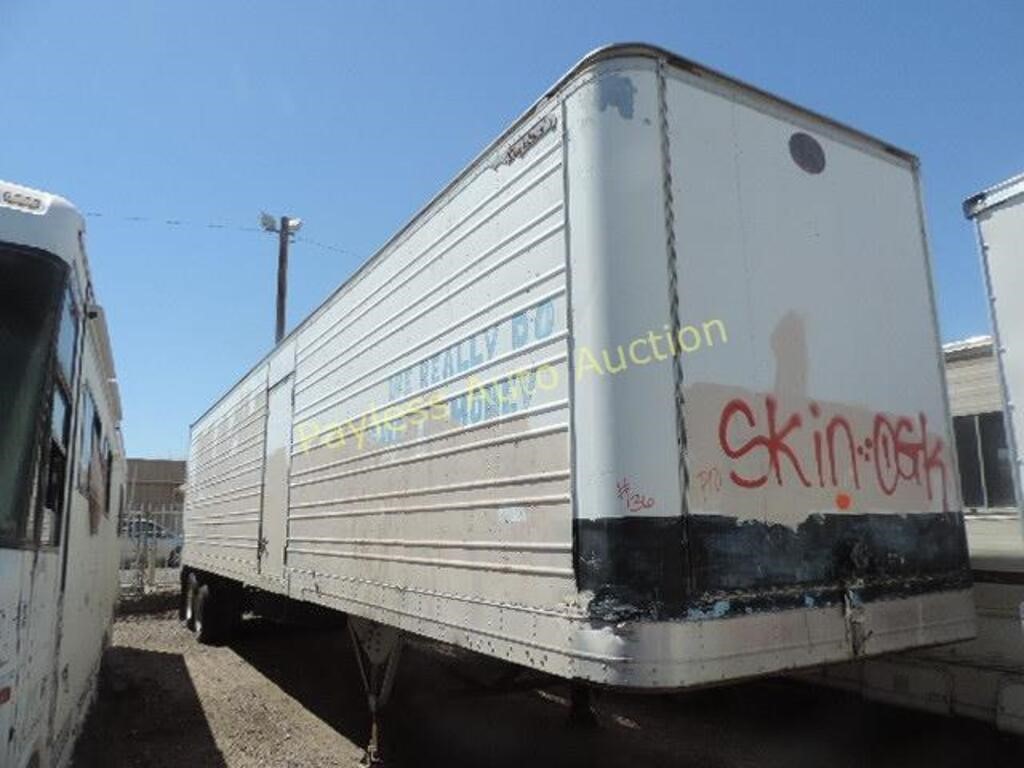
[316, 667]
[455, 709]
[147, 714]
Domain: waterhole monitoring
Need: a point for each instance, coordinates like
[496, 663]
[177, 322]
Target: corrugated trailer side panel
[225, 477]
[417, 464]
[430, 469]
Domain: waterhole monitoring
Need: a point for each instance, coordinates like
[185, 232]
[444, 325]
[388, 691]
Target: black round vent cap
[807, 152]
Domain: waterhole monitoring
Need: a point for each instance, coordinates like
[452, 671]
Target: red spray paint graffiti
[898, 447]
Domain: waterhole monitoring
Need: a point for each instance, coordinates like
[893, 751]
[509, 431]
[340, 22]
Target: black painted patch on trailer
[636, 567]
[633, 565]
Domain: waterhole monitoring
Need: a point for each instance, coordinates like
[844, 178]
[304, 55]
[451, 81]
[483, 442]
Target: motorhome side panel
[58, 565]
[430, 483]
[90, 582]
[225, 482]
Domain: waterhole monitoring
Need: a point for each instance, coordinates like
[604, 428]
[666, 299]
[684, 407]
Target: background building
[155, 491]
[976, 402]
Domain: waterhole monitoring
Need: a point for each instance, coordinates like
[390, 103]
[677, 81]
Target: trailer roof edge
[596, 56]
[995, 195]
[647, 50]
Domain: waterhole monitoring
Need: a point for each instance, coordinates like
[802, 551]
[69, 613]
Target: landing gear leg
[377, 650]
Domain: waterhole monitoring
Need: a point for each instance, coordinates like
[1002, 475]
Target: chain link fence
[150, 539]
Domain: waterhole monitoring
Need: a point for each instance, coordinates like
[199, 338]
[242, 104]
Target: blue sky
[352, 115]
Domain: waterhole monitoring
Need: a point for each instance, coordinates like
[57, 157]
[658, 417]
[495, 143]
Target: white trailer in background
[983, 678]
[649, 396]
[999, 215]
[996, 692]
[61, 478]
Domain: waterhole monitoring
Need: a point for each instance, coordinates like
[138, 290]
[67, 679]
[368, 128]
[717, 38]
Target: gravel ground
[283, 697]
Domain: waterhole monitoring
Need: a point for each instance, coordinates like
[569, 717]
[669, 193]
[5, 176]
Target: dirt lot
[282, 697]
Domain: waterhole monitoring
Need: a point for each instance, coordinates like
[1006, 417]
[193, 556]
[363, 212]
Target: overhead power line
[172, 222]
[223, 226]
[325, 246]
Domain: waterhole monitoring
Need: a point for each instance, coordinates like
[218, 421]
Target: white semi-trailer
[998, 213]
[987, 675]
[61, 478]
[650, 395]
[982, 678]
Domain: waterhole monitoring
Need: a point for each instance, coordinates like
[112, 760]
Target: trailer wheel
[189, 588]
[204, 615]
[217, 612]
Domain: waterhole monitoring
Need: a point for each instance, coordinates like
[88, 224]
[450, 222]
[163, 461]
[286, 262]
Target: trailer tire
[204, 615]
[189, 587]
[217, 612]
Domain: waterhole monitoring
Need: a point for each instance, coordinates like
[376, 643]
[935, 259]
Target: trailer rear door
[818, 447]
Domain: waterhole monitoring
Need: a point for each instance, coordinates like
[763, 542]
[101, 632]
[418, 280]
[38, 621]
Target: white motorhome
[629, 402]
[60, 479]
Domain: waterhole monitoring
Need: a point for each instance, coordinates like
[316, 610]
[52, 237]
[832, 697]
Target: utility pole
[285, 228]
[282, 277]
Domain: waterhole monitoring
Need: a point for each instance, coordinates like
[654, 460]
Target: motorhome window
[66, 341]
[31, 286]
[60, 419]
[91, 470]
[108, 466]
[51, 517]
[57, 469]
[85, 448]
[97, 474]
[120, 508]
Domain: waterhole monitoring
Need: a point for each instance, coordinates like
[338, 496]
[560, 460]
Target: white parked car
[141, 536]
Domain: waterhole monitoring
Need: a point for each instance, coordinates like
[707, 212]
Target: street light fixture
[285, 228]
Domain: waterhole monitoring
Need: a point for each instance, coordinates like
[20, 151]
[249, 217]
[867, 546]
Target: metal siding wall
[974, 386]
[225, 480]
[455, 521]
